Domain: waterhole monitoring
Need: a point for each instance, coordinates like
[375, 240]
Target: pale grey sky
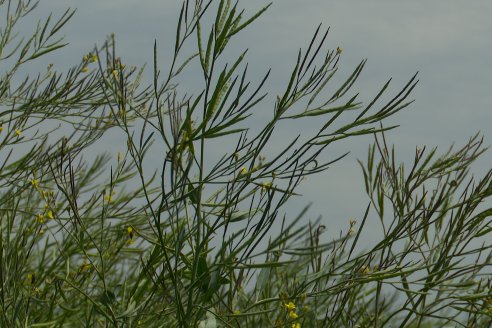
[448, 42]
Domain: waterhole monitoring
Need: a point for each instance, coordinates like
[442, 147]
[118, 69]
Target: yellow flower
[115, 73]
[84, 267]
[45, 194]
[18, 132]
[35, 183]
[31, 278]
[339, 50]
[50, 214]
[94, 58]
[84, 69]
[1, 128]
[40, 218]
[290, 306]
[86, 57]
[293, 315]
[296, 325]
[109, 197]
[243, 170]
[131, 233]
[237, 312]
[265, 186]
[364, 269]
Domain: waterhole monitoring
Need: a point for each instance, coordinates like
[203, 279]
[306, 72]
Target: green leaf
[249, 21]
[47, 50]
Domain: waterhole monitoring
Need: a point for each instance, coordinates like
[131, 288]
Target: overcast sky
[448, 42]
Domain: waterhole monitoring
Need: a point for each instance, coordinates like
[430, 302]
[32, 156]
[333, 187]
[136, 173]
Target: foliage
[170, 234]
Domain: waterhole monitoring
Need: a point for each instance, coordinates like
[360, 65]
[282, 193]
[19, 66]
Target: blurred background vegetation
[184, 222]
